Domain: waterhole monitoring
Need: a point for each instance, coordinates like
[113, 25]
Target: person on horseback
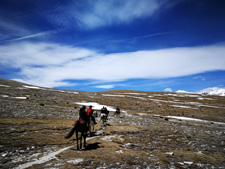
[117, 111]
[90, 112]
[105, 111]
[83, 115]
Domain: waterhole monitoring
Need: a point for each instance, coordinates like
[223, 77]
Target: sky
[98, 45]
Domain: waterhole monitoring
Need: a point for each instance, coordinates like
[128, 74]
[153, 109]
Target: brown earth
[34, 126]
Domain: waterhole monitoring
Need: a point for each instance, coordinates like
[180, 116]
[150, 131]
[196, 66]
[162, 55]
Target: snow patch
[4, 96]
[193, 119]
[186, 107]
[95, 106]
[31, 87]
[120, 151]
[213, 91]
[20, 98]
[76, 161]
[113, 95]
[169, 153]
[4, 85]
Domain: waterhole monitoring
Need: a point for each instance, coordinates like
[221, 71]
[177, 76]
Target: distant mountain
[213, 91]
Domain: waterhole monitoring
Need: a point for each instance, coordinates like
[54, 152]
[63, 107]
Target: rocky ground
[155, 130]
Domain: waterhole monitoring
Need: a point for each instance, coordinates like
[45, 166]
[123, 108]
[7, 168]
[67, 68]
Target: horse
[79, 126]
[104, 118]
[95, 114]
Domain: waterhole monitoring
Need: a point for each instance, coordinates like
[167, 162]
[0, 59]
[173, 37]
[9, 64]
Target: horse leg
[77, 140]
[81, 141]
[90, 128]
[85, 135]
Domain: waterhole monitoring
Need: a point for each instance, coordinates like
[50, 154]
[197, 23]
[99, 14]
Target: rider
[105, 111]
[83, 115]
[117, 109]
[90, 113]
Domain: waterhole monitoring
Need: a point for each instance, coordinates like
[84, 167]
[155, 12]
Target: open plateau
[153, 130]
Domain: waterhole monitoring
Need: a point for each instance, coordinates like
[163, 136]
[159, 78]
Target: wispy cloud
[102, 13]
[199, 77]
[51, 64]
[45, 33]
[105, 86]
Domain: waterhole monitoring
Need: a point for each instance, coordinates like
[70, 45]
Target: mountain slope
[155, 129]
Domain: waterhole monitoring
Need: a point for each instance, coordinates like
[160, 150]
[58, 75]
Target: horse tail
[72, 130]
[70, 133]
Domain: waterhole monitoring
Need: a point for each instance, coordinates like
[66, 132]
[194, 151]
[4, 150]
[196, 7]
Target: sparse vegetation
[34, 126]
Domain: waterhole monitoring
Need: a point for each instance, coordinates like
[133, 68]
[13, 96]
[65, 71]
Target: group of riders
[89, 114]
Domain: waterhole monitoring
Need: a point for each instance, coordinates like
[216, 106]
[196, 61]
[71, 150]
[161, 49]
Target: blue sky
[150, 45]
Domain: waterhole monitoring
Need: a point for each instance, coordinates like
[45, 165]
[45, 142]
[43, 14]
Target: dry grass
[35, 127]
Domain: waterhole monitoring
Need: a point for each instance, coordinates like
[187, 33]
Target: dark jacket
[83, 114]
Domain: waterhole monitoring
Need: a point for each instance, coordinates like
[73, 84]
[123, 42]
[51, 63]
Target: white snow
[113, 95]
[4, 154]
[95, 106]
[31, 87]
[4, 85]
[193, 119]
[20, 98]
[185, 118]
[73, 92]
[128, 144]
[76, 161]
[169, 153]
[208, 91]
[213, 91]
[186, 103]
[4, 95]
[188, 163]
[120, 151]
[180, 106]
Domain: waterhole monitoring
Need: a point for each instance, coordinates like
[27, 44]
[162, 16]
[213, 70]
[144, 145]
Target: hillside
[155, 129]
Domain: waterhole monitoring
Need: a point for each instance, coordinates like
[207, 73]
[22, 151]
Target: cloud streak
[45, 33]
[103, 13]
[50, 65]
[105, 86]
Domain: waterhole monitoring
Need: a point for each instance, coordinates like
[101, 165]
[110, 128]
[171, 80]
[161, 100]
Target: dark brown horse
[79, 126]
